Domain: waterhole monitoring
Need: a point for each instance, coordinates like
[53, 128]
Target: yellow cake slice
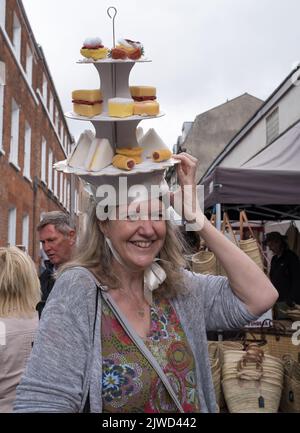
[87, 103]
[146, 108]
[120, 107]
[143, 92]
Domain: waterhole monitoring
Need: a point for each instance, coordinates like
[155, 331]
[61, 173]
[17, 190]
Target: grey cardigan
[66, 363]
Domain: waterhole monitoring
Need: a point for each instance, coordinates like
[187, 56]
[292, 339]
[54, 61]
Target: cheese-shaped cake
[81, 150]
[143, 93]
[87, 103]
[102, 154]
[150, 142]
[120, 107]
[146, 108]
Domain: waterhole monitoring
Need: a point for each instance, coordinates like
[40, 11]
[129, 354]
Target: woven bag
[204, 262]
[290, 398]
[213, 351]
[279, 339]
[252, 381]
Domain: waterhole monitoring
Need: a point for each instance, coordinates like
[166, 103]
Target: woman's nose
[146, 227]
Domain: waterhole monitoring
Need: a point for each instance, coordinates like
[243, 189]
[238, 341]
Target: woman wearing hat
[124, 329]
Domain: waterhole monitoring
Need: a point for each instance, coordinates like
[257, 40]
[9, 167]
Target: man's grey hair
[60, 220]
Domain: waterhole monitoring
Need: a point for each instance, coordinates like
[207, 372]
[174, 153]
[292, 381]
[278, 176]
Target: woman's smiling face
[137, 236]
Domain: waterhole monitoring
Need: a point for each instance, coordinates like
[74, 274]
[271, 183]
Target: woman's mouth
[142, 244]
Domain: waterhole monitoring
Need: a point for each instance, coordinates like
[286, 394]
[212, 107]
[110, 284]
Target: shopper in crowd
[19, 294]
[111, 348]
[57, 236]
[284, 272]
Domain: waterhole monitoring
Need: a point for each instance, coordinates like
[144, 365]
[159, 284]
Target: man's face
[274, 246]
[56, 245]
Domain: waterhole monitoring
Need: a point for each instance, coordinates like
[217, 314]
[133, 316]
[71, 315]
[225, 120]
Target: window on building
[29, 64]
[43, 160]
[27, 151]
[68, 196]
[2, 13]
[62, 134]
[2, 86]
[65, 193]
[56, 118]
[55, 188]
[17, 36]
[50, 169]
[14, 134]
[51, 106]
[45, 90]
[25, 232]
[272, 125]
[12, 223]
[76, 209]
[61, 188]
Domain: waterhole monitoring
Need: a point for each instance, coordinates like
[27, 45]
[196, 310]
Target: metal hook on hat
[113, 17]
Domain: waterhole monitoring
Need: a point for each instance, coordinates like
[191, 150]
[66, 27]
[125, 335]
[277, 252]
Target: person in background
[19, 294]
[57, 236]
[284, 272]
[116, 319]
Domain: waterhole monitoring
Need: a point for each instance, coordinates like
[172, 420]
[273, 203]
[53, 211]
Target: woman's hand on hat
[185, 200]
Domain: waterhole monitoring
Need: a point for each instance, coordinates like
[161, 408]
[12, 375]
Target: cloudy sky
[203, 51]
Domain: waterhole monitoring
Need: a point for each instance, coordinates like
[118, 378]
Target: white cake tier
[109, 60]
[104, 117]
[144, 167]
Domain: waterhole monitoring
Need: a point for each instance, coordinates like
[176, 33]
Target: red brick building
[33, 135]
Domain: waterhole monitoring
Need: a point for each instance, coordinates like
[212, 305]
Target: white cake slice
[80, 152]
[151, 141]
[102, 156]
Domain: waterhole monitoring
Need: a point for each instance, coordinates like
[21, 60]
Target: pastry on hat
[151, 142]
[123, 162]
[161, 155]
[93, 49]
[87, 103]
[131, 152]
[143, 93]
[146, 108]
[133, 49]
[120, 107]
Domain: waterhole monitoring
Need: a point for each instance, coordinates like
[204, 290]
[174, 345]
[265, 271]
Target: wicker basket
[290, 399]
[279, 340]
[213, 351]
[204, 262]
[250, 247]
[252, 381]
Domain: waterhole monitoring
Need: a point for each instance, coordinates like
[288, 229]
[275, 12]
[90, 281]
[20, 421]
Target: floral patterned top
[129, 383]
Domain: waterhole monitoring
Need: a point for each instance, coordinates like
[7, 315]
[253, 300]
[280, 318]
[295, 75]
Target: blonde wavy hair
[19, 283]
[94, 254]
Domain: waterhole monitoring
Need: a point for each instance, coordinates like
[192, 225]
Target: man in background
[58, 237]
[284, 272]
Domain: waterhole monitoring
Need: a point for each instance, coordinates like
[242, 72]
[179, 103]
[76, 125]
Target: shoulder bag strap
[143, 348]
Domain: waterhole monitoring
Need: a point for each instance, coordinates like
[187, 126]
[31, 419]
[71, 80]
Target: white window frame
[55, 189]
[29, 64]
[2, 87]
[12, 224]
[43, 160]
[2, 13]
[50, 169]
[65, 193]
[25, 231]
[14, 134]
[27, 152]
[61, 188]
[17, 36]
[68, 196]
[51, 105]
[45, 90]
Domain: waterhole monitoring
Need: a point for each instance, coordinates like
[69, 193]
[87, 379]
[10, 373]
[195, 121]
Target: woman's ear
[103, 227]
